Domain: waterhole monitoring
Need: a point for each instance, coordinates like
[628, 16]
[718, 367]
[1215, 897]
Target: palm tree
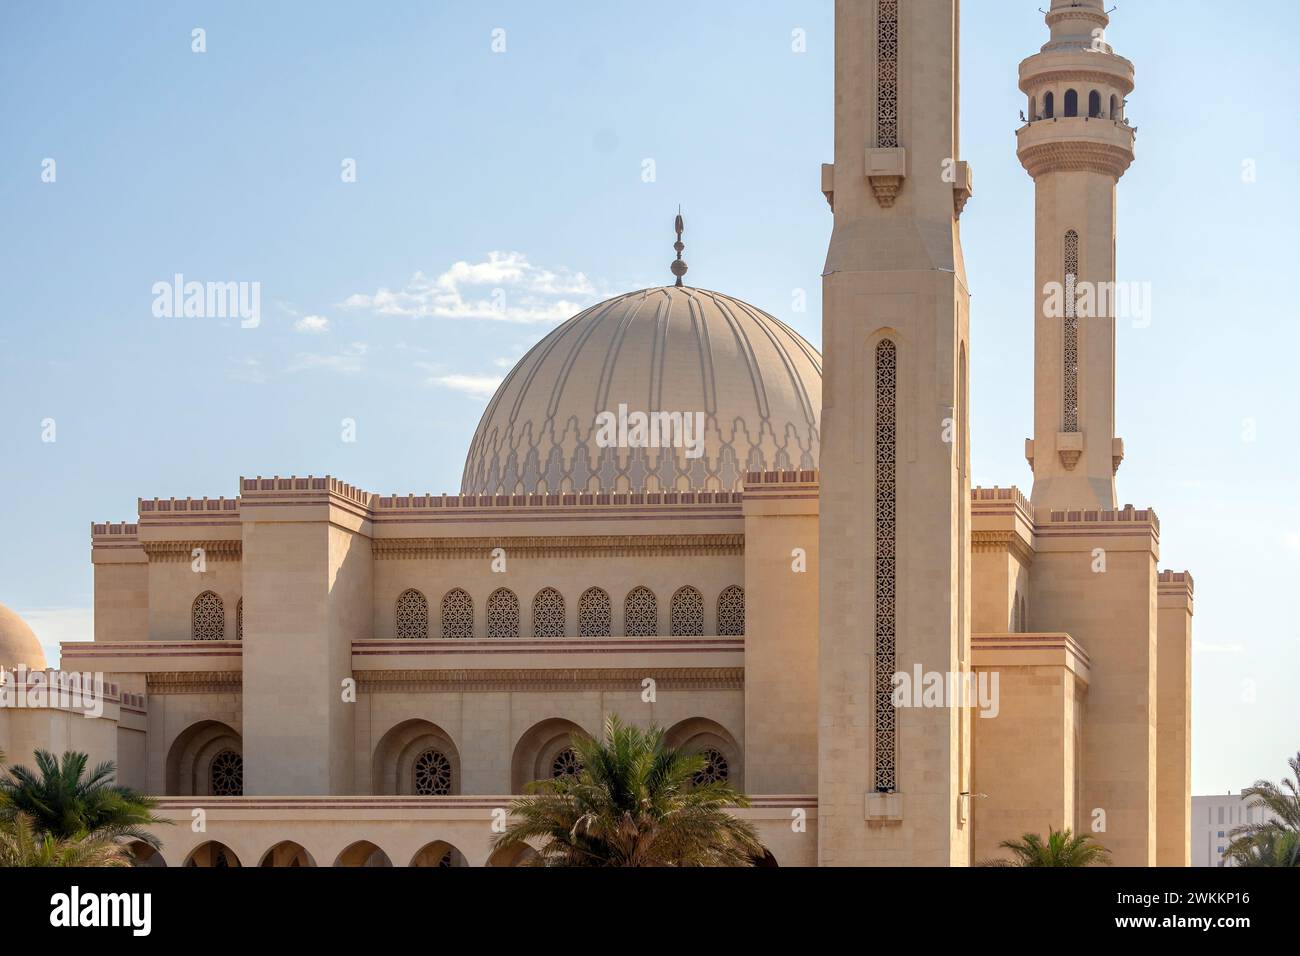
[22, 845]
[635, 802]
[1276, 841]
[63, 803]
[1062, 848]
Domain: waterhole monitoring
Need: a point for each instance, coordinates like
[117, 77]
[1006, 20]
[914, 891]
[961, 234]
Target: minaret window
[1049, 105]
[1094, 104]
[1071, 103]
[886, 536]
[887, 74]
[1070, 355]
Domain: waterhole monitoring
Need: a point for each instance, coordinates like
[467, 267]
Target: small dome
[18, 645]
[752, 382]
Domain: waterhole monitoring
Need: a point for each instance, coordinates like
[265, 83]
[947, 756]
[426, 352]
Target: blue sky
[522, 171]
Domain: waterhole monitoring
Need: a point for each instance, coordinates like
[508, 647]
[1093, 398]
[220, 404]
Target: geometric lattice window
[457, 614]
[239, 620]
[567, 763]
[227, 774]
[641, 613]
[412, 615]
[688, 613]
[503, 614]
[886, 562]
[548, 613]
[887, 74]
[731, 612]
[432, 774]
[715, 768]
[207, 618]
[594, 617]
[1070, 356]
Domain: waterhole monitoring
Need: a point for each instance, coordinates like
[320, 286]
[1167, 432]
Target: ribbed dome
[18, 645]
[756, 381]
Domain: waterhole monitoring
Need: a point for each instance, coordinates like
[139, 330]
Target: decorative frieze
[194, 682]
[625, 545]
[560, 679]
[218, 549]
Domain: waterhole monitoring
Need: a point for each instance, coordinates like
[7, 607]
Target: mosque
[308, 673]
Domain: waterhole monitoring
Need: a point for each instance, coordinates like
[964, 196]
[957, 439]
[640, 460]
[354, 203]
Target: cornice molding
[999, 542]
[194, 682]
[218, 549]
[567, 679]
[537, 546]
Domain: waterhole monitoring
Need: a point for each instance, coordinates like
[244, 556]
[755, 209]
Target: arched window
[457, 614]
[886, 583]
[1094, 104]
[1071, 103]
[226, 775]
[567, 763]
[688, 613]
[207, 618]
[715, 770]
[432, 774]
[412, 615]
[548, 613]
[594, 618]
[503, 614]
[239, 620]
[640, 613]
[731, 612]
[1070, 346]
[1049, 105]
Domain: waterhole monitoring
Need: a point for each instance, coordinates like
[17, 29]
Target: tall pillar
[894, 508]
[1076, 145]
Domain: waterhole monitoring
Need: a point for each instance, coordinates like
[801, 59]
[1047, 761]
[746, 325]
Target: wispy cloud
[247, 370]
[345, 362]
[477, 386]
[505, 288]
[313, 324]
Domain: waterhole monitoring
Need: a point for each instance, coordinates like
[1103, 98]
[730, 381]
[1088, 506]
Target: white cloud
[477, 386]
[314, 324]
[346, 362]
[505, 288]
[54, 625]
[248, 370]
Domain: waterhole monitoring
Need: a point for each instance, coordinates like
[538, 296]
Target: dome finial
[679, 266]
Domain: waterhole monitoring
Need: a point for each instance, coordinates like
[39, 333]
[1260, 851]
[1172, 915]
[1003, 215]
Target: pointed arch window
[594, 618]
[1071, 102]
[887, 74]
[641, 613]
[548, 613]
[503, 614]
[412, 615]
[731, 612]
[457, 614]
[1070, 338]
[688, 613]
[886, 567]
[207, 618]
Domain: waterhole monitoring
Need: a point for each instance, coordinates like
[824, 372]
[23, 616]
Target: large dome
[756, 383]
[18, 645]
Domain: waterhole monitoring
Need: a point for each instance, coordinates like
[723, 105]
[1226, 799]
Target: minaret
[894, 504]
[1076, 146]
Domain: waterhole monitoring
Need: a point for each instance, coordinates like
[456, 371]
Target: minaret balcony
[1076, 143]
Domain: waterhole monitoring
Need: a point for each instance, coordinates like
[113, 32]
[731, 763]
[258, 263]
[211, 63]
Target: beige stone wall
[781, 634]
[1112, 615]
[1174, 720]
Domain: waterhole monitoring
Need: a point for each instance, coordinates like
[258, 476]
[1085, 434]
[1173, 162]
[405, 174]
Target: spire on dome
[679, 265]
